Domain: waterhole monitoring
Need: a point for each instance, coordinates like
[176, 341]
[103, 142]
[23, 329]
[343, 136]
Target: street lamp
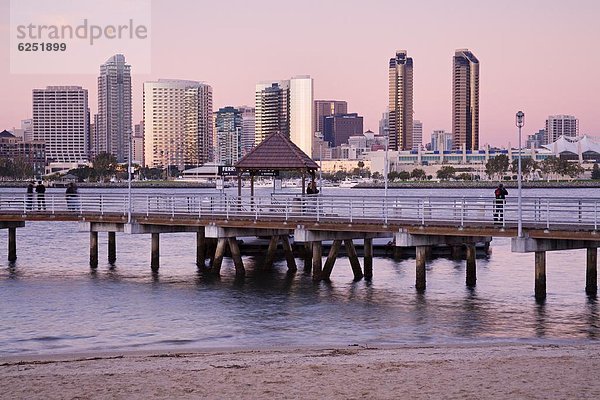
[385, 166]
[520, 122]
[321, 166]
[129, 178]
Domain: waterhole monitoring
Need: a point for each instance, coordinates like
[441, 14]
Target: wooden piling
[94, 249]
[236, 255]
[112, 247]
[12, 244]
[317, 254]
[471, 265]
[155, 255]
[353, 257]
[397, 252]
[219, 253]
[421, 257]
[200, 248]
[368, 258]
[289, 255]
[591, 275]
[271, 252]
[307, 257]
[331, 257]
[540, 275]
[456, 252]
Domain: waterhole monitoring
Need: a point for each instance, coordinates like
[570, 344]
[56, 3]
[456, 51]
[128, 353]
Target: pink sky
[540, 56]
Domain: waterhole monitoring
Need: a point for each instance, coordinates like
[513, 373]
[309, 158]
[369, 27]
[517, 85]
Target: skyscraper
[286, 107]
[178, 123]
[248, 121]
[114, 109]
[417, 135]
[337, 129]
[465, 100]
[561, 125]
[325, 108]
[441, 140]
[401, 102]
[228, 131]
[137, 151]
[61, 118]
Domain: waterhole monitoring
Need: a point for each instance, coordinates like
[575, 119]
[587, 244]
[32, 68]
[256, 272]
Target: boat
[348, 183]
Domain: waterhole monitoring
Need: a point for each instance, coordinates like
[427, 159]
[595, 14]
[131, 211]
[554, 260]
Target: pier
[309, 221]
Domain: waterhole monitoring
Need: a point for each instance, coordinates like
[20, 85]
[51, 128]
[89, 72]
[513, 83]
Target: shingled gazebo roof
[276, 152]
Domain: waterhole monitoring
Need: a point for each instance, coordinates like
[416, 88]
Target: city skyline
[515, 74]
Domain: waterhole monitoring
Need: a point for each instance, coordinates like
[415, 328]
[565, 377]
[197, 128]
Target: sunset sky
[541, 56]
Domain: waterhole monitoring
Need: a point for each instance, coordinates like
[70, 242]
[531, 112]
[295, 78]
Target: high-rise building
[384, 124]
[178, 123]
[248, 121]
[113, 128]
[137, 155]
[561, 125]
[325, 108]
[228, 131]
[465, 100]
[286, 107]
[441, 140]
[417, 135]
[401, 102]
[337, 129]
[61, 118]
[536, 140]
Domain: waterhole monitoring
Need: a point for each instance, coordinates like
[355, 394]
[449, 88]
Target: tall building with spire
[465, 100]
[113, 126]
[401, 102]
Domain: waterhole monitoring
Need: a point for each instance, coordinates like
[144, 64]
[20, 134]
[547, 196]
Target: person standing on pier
[71, 195]
[29, 199]
[40, 189]
[500, 193]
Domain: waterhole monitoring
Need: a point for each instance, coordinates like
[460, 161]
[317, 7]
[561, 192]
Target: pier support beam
[456, 252]
[331, 257]
[317, 260]
[591, 273]
[471, 266]
[155, 256]
[368, 259]
[353, 257]
[200, 248]
[540, 275]
[219, 253]
[112, 247]
[12, 244]
[421, 256]
[94, 249]
[289, 255]
[307, 257]
[236, 255]
[271, 252]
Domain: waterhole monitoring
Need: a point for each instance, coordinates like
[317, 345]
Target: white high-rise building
[61, 118]
[113, 127]
[441, 140]
[248, 121]
[417, 135]
[286, 107]
[561, 125]
[401, 101]
[137, 151]
[178, 123]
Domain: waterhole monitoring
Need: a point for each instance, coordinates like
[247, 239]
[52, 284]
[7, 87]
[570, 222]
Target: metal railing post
[101, 205]
[423, 212]
[595, 215]
[548, 214]
[318, 214]
[350, 210]
[462, 214]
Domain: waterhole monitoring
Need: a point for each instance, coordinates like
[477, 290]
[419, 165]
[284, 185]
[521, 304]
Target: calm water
[51, 302]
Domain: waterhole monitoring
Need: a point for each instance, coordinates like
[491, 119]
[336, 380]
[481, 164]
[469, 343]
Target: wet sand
[507, 371]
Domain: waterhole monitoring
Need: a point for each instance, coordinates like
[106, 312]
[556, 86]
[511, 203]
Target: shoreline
[491, 371]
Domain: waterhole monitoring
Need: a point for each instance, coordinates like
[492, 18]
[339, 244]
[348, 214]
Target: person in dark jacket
[29, 199]
[40, 189]
[500, 194]
[71, 195]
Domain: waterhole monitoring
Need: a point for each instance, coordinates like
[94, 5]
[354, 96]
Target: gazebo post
[303, 182]
[251, 187]
[239, 184]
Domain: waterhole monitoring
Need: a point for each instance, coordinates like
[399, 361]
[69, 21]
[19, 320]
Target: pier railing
[432, 210]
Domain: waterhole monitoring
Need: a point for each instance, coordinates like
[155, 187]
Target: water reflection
[540, 319]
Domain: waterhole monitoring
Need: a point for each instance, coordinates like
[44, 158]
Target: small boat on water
[349, 183]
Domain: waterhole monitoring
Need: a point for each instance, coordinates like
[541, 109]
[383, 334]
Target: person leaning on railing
[500, 194]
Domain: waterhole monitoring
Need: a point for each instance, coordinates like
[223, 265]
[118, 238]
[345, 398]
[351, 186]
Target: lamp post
[129, 178]
[520, 122]
[385, 166]
[321, 167]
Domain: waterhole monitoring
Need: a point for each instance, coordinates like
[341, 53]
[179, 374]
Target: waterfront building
[113, 126]
[24, 132]
[417, 135]
[61, 118]
[137, 155]
[441, 140]
[561, 125]
[32, 152]
[325, 108]
[384, 124]
[286, 107]
[178, 123]
[338, 128]
[537, 139]
[248, 132]
[465, 100]
[228, 131]
[401, 102]
[579, 148]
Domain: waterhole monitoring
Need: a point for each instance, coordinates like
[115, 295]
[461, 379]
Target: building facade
[337, 129]
[537, 139]
[401, 102]
[301, 112]
[178, 123]
[417, 135]
[561, 125]
[228, 131]
[465, 100]
[137, 155]
[441, 140]
[325, 108]
[248, 130]
[61, 118]
[31, 152]
[113, 128]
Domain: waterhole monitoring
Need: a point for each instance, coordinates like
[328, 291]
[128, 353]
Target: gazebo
[275, 153]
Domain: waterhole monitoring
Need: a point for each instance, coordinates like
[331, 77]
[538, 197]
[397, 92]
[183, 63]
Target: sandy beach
[508, 371]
